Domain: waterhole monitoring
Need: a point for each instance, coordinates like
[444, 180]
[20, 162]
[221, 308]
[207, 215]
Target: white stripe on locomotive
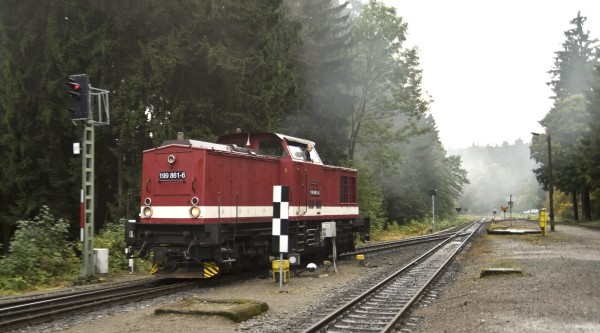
[182, 212]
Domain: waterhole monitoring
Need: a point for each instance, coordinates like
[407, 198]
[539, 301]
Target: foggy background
[495, 173]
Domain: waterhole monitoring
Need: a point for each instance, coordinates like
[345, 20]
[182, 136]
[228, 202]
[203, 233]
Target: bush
[415, 228]
[39, 254]
[112, 237]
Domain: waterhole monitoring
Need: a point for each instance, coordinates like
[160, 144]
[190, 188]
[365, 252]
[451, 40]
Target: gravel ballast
[557, 291]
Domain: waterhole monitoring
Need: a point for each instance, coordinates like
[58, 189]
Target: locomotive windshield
[271, 147]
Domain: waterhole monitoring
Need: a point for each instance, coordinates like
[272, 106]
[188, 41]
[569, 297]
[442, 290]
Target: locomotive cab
[271, 144]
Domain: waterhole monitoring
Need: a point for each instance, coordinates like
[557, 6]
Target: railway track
[380, 308]
[23, 312]
[390, 245]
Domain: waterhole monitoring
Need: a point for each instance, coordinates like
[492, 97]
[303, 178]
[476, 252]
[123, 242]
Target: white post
[433, 213]
[432, 192]
[281, 272]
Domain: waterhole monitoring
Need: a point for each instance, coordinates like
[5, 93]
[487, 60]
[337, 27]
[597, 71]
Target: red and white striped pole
[81, 216]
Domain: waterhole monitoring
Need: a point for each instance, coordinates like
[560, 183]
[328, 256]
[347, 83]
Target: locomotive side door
[314, 185]
[308, 177]
[301, 178]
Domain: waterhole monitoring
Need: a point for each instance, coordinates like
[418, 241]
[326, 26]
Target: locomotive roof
[281, 136]
[225, 147]
[291, 138]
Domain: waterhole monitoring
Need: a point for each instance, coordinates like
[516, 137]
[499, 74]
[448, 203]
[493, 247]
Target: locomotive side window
[347, 189]
[271, 147]
[298, 152]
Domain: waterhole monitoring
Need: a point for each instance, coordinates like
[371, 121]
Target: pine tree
[327, 67]
[574, 64]
[571, 75]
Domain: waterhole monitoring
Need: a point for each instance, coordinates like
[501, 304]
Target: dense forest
[337, 73]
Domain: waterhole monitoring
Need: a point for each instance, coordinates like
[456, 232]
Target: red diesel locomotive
[208, 207]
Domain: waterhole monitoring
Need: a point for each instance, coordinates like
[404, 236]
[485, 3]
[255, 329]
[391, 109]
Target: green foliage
[112, 237]
[567, 135]
[325, 69]
[591, 141]
[412, 228]
[425, 166]
[574, 63]
[416, 228]
[370, 199]
[203, 68]
[200, 67]
[386, 86]
[40, 254]
[35, 147]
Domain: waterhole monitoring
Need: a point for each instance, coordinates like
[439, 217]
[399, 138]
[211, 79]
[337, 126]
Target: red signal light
[79, 96]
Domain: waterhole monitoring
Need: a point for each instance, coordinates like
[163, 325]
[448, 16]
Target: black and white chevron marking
[281, 204]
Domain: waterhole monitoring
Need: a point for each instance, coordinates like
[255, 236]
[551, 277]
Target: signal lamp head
[75, 87]
[147, 212]
[195, 212]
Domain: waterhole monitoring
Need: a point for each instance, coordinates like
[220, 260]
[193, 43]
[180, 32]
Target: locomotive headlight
[147, 212]
[195, 201]
[171, 159]
[194, 212]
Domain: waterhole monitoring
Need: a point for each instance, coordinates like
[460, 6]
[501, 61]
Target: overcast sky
[486, 63]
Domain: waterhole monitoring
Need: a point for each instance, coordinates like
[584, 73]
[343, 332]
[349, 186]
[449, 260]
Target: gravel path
[559, 290]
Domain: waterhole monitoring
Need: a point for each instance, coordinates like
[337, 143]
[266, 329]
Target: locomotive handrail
[219, 206]
[299, 180]
[306, 189]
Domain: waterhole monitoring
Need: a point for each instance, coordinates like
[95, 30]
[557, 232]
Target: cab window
[271, 147]
[298, 152]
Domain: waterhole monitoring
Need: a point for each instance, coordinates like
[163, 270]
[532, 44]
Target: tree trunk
[120, 171]
[575, 207]
[586, 210]
[6, 236]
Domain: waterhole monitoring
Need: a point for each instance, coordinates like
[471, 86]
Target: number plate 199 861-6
[171, 175]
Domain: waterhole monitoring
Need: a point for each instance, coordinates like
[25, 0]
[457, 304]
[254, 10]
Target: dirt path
[559, 290]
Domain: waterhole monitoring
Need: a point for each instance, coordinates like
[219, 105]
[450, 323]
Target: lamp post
[550, 186]
[432, 193]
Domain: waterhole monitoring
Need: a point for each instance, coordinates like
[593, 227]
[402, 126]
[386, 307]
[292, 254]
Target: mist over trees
[497, 172]
[571, 124]
[425, 167]
[335, 73]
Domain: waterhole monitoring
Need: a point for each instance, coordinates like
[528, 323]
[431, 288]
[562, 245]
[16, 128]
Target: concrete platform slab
[500, 271]
[513, 231]
[236, 310]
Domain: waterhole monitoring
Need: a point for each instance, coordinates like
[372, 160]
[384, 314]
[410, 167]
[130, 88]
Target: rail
[380, 308]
